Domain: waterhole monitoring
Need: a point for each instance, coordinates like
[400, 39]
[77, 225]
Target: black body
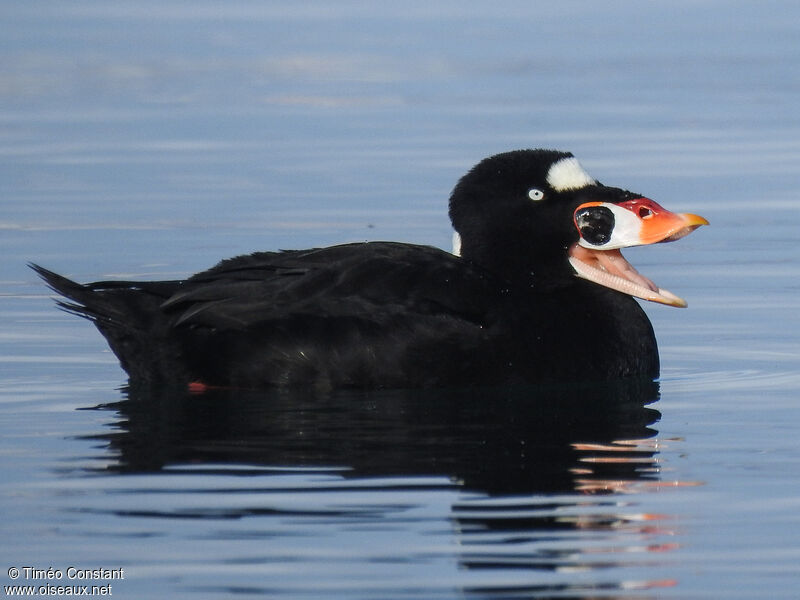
[384, 314]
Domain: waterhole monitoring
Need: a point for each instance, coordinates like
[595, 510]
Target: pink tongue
[608, 268]
[613, 262]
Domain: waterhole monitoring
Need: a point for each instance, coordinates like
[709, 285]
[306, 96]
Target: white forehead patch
[568, 174]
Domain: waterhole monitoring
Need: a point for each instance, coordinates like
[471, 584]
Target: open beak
[606, 227]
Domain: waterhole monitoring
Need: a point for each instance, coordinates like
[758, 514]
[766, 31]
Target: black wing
[357, 314]
[353, 280]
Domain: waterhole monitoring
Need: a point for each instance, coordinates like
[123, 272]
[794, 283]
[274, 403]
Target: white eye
[535, 194]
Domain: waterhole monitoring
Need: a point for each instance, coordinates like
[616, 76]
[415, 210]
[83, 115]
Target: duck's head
[538, 216]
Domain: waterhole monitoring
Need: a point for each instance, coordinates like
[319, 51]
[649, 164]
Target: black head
[537, 214]
[514, 211]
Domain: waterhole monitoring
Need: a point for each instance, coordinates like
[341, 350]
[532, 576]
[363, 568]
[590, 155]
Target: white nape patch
[568, 174]
[456, 244]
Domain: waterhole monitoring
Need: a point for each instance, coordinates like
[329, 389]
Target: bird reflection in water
[543, 475]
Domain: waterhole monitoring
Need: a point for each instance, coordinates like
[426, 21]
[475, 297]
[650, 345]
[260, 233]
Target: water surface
[151, 140]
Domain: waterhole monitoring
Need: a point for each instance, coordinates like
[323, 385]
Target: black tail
[85, 300]
[127, 313]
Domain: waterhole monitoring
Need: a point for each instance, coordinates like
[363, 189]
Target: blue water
[152, 139]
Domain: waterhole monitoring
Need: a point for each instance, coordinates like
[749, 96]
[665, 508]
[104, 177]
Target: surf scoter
[536, 290]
